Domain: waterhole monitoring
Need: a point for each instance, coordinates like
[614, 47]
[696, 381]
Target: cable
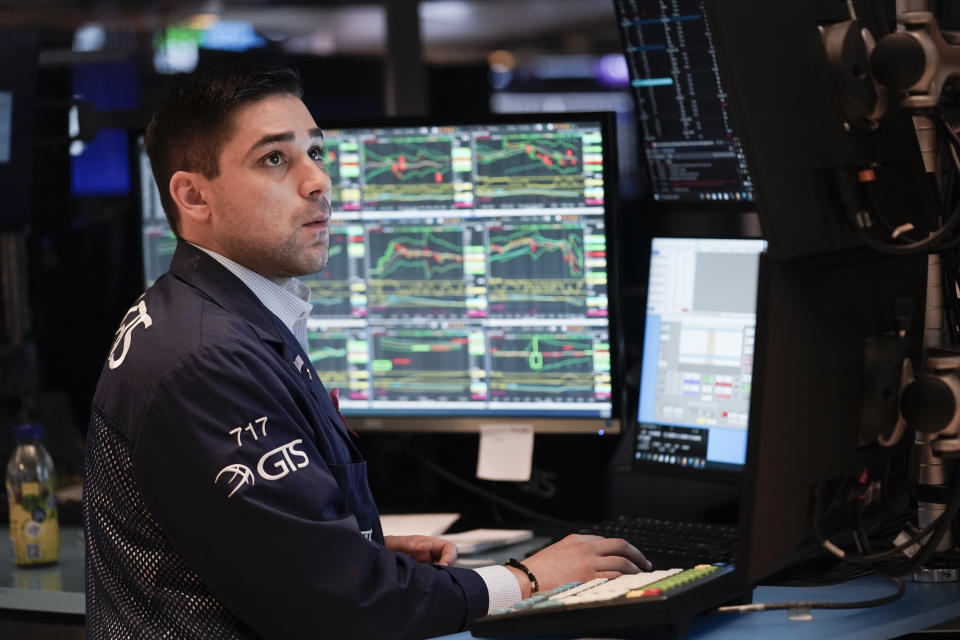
[943, 524]
[895, 560]
[860, 535]
[894, 552]
[927, 245]
[489, 495]
[932, 242]
[860, 604]
[950, 262]
[948, 269]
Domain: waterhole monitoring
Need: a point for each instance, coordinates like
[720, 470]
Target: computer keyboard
[656, 604]
[672, 543]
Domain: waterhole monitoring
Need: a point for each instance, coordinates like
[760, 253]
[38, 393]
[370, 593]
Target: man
[223, 496]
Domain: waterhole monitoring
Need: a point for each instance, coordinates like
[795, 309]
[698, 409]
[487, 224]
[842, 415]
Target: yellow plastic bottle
[34, 527]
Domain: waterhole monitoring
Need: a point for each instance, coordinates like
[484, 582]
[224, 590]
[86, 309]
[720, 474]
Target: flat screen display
[698, 349]
[692, 153]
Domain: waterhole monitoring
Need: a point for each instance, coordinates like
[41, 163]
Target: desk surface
[59, 590]
[922, 606]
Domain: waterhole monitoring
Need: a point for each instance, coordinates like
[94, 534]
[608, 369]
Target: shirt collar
[286, 298]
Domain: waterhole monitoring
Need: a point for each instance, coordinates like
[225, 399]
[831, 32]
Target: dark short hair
[190, 128]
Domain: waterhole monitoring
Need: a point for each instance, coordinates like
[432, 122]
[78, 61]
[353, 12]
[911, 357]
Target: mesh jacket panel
[137, 584]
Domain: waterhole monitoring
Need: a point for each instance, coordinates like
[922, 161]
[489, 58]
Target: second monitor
[698, 346]
[685, 447]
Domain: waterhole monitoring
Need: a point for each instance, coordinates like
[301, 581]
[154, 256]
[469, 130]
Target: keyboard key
[661, 598]
[679, 543]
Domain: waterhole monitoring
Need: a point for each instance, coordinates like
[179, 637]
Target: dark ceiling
[451, 30]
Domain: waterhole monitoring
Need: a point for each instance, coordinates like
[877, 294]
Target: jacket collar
[202, 272]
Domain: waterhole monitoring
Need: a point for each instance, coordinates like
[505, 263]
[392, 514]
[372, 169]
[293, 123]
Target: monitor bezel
[806, 418]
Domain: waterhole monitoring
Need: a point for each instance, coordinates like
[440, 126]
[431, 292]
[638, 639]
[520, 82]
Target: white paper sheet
[417, 524]
[506, 452]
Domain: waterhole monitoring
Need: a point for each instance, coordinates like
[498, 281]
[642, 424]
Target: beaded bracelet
[513, 562]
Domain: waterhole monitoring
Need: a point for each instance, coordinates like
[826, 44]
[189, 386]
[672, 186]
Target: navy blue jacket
[252, 497]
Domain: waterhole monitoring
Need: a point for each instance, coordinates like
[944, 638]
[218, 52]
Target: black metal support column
[405, 75]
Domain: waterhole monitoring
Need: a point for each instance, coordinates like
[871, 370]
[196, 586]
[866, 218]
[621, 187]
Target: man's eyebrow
[286, 136]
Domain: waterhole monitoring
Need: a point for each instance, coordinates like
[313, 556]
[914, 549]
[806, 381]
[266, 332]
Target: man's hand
[581, 558]
[424, 548]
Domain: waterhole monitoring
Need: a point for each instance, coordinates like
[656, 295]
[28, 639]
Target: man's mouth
[322, 220]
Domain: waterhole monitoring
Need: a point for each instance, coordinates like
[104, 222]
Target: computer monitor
[471, 277]
[18, 88]
[692, 154]
[100, 166]
[697, 366]
[837, 322]
[688, 394]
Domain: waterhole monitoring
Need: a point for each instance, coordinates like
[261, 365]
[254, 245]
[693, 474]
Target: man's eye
[316, 154]
[274, 159]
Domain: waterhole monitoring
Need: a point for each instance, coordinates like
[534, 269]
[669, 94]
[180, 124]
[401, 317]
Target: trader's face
[270, 201]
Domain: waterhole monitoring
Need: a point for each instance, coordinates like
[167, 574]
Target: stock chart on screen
[467, 271]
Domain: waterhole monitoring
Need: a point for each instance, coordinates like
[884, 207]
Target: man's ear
[188, 189]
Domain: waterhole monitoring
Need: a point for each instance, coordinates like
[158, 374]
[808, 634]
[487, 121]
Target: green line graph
[542, 352]
[531, 365]
[530, 155]
[411, 161]
[560, 248]
[326, 352]
[541, 169]
[428, 254]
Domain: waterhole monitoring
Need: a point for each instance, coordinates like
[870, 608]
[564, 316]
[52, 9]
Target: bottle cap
[28, 432]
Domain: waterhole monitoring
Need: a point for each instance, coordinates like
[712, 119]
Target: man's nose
[316, 181]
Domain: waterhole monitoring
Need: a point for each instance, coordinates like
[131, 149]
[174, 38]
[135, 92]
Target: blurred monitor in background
[18, 79]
